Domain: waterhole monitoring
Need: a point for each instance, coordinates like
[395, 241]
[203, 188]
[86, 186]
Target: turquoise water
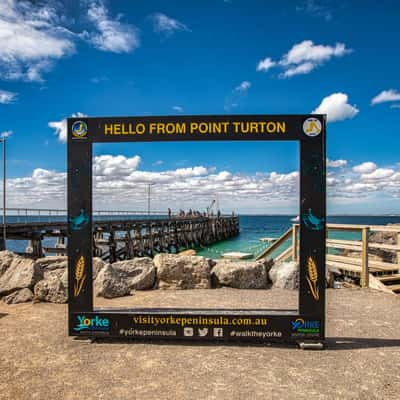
[254, 227]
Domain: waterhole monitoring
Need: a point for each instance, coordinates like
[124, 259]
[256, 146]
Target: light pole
[3, 141]
[149, 185]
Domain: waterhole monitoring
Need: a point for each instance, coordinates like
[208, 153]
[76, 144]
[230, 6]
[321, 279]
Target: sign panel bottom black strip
[223, 327]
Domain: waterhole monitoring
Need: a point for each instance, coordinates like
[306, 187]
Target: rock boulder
[175, 271]
[285, 275]
[54, 288]
[17, 272]
[109, 283]
[19, 296]
[138, 273]
[241, 274]
[98, 265]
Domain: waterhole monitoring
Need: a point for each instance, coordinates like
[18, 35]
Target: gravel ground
[361, 361]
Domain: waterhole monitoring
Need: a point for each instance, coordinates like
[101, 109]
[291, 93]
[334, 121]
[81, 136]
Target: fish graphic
[80, 221]
[311, 221]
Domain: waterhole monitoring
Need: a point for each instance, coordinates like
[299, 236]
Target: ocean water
[252, 228]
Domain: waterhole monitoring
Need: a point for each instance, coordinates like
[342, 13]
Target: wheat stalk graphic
[79, 275]
[312, 277]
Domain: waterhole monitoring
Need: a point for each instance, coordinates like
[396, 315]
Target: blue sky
[100, 57]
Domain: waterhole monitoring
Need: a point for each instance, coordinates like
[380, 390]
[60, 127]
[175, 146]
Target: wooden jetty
[115, 240]
[358, 261]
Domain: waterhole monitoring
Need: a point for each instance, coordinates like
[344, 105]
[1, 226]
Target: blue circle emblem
[79, 129]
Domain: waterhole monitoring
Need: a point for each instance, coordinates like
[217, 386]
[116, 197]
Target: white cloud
[111, 34]
[315, 8]
[336, 163]
[31, 39]
[336, 107]
[308, 51]
[395, 106]
[7, 97]
[236, 95]
[6, 134]
[300, 69]
[365, 168]
[265, 64]
[178, 109]
[303, 58]
[99, 79]
[385, 96]
[243, 87]
[378, 174]
[60, 127]
[167, 25]
[107, 165]
[119, 183]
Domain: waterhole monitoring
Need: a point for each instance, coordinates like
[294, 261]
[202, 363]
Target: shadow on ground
[338, 343]
[350, 343]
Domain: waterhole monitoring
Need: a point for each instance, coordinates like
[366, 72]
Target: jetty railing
[26, 215]
[357, 258]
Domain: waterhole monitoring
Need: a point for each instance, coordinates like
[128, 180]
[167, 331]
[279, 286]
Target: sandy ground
[361, 361]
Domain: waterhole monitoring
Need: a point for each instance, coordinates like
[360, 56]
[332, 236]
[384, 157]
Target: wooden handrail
[354, 227]
[359, 265]
[276, 244]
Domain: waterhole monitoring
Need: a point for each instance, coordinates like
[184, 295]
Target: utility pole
[149, 185]
[3, 141]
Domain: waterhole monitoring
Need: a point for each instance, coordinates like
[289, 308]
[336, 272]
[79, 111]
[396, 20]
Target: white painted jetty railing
[26, 215]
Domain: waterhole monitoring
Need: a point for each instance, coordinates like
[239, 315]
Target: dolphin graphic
[311, 221]
[77, 223]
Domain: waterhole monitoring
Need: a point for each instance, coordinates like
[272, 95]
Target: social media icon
[218, 332]
[188, 331]
[203, 331]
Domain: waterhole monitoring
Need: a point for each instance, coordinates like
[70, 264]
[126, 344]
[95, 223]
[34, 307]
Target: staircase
[373, 273]
[392, 282]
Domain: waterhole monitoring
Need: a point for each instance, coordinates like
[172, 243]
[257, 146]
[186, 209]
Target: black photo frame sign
[307, 323]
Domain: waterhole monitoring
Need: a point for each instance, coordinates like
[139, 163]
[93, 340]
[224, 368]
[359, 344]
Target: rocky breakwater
[46, 279]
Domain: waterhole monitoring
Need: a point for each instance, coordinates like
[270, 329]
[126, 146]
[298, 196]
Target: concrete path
[362, 359]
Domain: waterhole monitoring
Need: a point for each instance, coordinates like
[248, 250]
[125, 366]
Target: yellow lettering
[140, 128]
[181, 128]
[193, 126]
[281, 127]
[271, 127]
[108, 129]
[236, 126]
[160, 128]
[203, 127]
[117, 129]
[254, 127]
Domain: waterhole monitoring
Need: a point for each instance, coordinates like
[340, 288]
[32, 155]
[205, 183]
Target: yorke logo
[92, 324]
[302, 326]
